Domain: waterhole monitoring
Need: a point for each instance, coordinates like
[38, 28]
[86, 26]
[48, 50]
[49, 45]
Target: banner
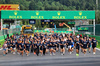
[47, 14]
[71, 22]
[9, 7]
[46, 20]
[32, 21]
[83, 28]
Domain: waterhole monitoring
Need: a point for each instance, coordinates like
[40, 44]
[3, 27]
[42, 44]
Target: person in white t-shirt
[4, 48]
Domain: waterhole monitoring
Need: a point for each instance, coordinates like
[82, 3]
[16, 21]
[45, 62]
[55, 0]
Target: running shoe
[53, 53]
[77, 54]
[14, 53]
[94, 53]
[61, 53]
[4, 54]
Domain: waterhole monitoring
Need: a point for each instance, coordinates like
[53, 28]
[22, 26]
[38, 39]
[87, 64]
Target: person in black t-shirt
[94, 44]
[85, 45]
[89, 44]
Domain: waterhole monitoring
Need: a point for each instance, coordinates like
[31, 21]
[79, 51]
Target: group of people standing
[42, 44]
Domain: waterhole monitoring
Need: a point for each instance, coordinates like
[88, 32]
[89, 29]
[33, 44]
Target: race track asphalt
[58, 60]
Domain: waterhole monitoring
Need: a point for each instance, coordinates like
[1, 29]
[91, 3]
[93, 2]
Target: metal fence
[9, 31]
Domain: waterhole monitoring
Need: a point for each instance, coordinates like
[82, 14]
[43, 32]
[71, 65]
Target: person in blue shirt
[37, 48]
[72, 45]
[11, 42]
[94, 44]
[21, 47]
[89, 44]
[85, 45]
[18, 48]
[81, 42]
[47, 42]
[13, 46]
[27, 46]
[8, 46]
[51, 48]
[41, 48]
[57, 42]
[77, 44]
[44, 47]
[62, 49]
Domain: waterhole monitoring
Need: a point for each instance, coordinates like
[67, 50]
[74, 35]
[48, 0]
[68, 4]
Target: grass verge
[98, 44]
[2, 42]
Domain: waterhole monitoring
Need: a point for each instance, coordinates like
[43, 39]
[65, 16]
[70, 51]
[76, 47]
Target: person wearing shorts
[27, 47]
[85, 44]
[44, 48]
[21, 47]
[8, 46]
[37, 48]
[62, 49]
[57, 42]
[41, 48]
[47, 49]
[54, 47]
[4, 48]
[81, 42]
[13, 46]
[94, 44]
[77, 44]
[17, 44]
[51, 48]
[70, 45]
[89, 44]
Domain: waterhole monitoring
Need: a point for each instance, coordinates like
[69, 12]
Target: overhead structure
[48, 15]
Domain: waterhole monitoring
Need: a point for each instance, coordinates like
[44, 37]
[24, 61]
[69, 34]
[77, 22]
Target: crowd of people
[42, 44]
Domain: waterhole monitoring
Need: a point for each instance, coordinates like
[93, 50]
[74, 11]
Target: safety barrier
[43, 31]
